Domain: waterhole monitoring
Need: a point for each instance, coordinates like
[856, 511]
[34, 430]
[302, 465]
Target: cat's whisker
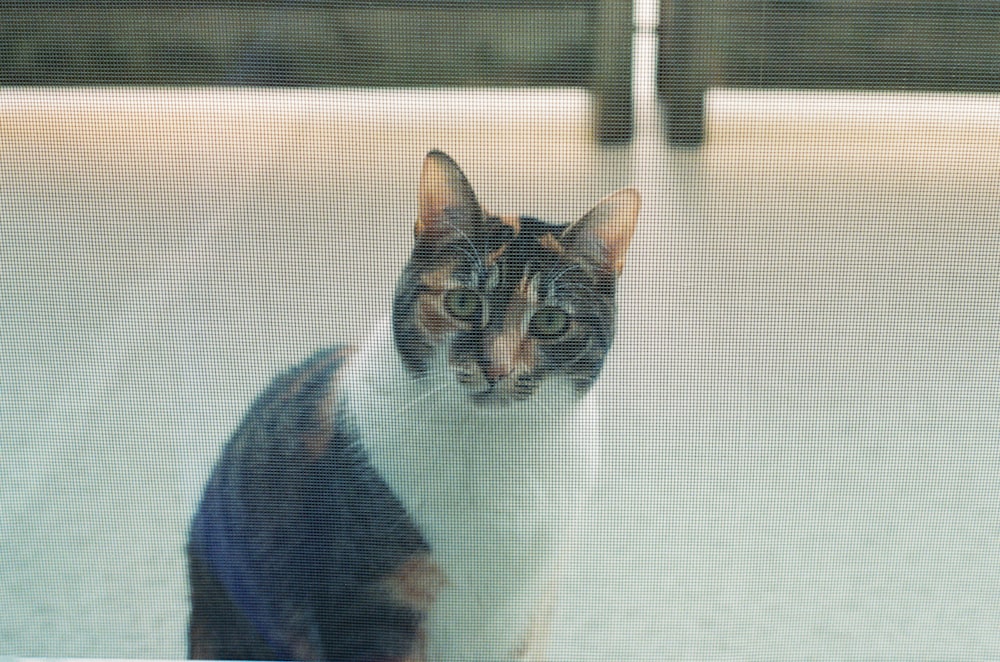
[578, 289]
[475, 253]
[474, 257]
[416, 401]
[579, 355]
[546, 408]
[572, 267]
[583, 293]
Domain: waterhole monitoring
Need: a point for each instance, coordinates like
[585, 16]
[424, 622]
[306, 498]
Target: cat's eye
[549, 322]
[464, 304]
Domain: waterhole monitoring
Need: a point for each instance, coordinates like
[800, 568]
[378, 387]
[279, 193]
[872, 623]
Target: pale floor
[802, 408]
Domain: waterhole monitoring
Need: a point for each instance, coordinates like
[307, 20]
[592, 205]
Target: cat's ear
[603, 234]
[443, 187]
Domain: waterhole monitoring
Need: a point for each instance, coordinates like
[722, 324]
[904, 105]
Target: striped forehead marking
[528, 288]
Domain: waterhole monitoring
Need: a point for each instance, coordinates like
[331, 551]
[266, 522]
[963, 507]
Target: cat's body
[414, 499]
[493, 490]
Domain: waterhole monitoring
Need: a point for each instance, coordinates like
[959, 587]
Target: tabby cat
[416, 498]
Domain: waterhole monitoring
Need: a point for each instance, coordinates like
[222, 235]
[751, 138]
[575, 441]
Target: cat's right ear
[445, 197]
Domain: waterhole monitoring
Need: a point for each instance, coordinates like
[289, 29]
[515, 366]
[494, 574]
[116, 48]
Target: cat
[415, 499]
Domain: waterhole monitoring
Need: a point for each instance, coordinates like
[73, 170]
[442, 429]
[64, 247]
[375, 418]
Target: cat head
[505, 304]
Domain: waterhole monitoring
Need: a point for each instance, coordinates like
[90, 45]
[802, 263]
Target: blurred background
[802, 406]
[813, 44]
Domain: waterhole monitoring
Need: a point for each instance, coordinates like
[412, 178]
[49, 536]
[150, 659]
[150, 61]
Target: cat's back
[298, 549]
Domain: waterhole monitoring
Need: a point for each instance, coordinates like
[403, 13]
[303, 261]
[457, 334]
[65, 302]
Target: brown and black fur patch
[296, 536]
[549, 242]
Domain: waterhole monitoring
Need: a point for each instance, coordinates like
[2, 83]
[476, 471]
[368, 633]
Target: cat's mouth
[503, 393]
[493, 397]
[499, 390]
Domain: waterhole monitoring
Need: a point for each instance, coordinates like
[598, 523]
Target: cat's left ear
[446, 197]
[604, 233]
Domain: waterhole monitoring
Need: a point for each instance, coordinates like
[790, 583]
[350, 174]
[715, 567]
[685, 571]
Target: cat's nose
[504, 353]
[496, 371]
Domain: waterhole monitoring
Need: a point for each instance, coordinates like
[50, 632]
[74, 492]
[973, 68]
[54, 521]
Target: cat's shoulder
[311, 376]
[301, 405]
[296, 534]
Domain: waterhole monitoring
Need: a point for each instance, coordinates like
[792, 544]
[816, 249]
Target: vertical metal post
[681, 73]
[612, 84]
